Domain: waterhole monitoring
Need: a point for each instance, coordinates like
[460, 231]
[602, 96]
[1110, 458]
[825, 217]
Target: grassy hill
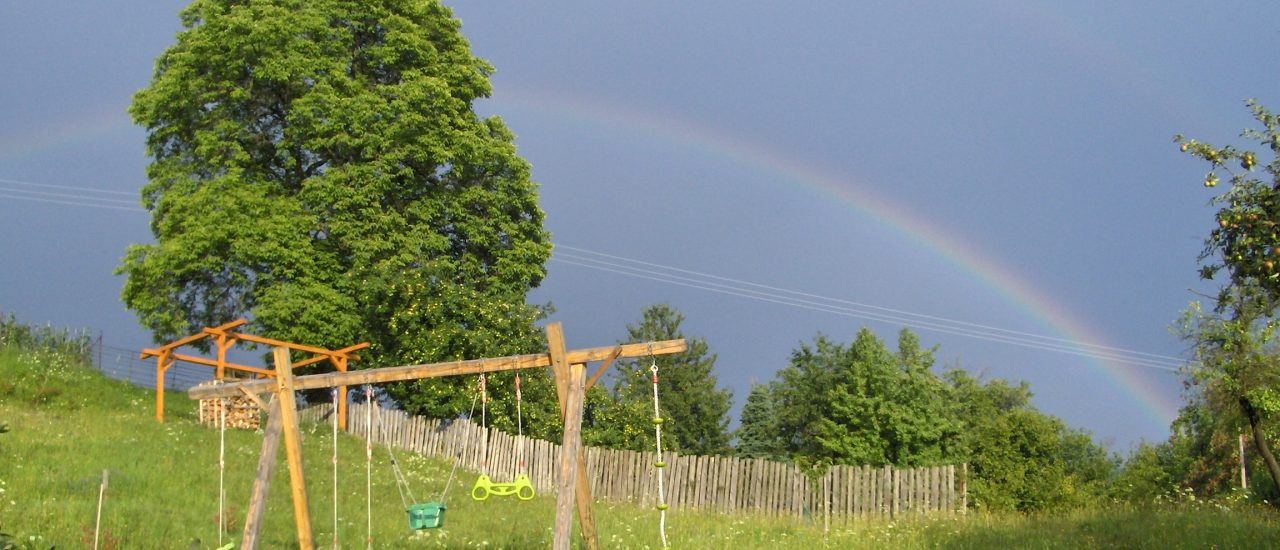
[66, 424]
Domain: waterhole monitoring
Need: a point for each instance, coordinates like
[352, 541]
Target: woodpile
[242, 413]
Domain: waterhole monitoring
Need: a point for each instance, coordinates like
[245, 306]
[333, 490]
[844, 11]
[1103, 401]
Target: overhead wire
[887, 315]
[868, 306]
[630, 267]
[84, 196]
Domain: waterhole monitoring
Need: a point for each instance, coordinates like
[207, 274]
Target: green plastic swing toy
[426, 515]
[429, 515]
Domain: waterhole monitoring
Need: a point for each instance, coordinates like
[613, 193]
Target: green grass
[67, 424]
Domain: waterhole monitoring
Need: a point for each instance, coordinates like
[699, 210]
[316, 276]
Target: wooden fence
[718, 483]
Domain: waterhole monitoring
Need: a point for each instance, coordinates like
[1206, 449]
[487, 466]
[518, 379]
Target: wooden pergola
[224, 339]
[568, 366]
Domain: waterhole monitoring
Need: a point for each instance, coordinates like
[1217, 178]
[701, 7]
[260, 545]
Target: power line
[1117, 356]
[84, 196]
[71, 203]
[69, 187]
[872, 307]
[630, 267]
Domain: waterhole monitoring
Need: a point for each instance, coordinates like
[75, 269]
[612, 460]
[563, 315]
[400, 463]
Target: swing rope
[222, 467]
[402, 485]
[660, 464]
[368, 466]
[484, 420]
[454, 469]
[519, 428]
[335, 467]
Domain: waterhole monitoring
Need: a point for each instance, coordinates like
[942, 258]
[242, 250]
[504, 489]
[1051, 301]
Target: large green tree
[695, 409]
[317, 166]
[889, 408]
[864, 404]
[1238, 367]
[1020, 458]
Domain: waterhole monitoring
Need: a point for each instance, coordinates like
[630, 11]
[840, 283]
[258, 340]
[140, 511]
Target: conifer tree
[695, 410]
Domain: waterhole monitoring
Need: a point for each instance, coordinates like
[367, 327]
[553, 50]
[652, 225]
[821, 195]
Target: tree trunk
[1260, 440]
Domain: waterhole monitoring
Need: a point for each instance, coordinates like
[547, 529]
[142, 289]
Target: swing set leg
[262, 483]
[282, 420]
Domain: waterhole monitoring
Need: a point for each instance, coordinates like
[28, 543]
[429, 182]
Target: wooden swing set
[568, 366]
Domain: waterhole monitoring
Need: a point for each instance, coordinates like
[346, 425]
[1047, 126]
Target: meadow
[64, 424]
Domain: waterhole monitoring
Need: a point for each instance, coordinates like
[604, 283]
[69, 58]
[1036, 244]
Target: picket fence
[717, 483]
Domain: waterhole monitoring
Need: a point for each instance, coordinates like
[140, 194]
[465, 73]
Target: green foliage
[863, 404]
[695, 410]
[888, 409]
[1245, 242]
[617, 423]
[1015, 465]
[757, 434]
[318, 168]
[801, 397]
[72, 344]
[1235, 343]
[1021, 459]
[1149, 474]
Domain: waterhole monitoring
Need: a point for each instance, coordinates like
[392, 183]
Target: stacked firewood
[242, 413]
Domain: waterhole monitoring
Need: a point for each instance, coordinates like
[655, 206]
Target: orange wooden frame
[224, 339]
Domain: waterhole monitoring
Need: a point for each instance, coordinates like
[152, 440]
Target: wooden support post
[569, 472]
[223, 342]
[162, 364]
[293, 446]
[564, 382]
[341, 364]
[613, 355]
[262, 482]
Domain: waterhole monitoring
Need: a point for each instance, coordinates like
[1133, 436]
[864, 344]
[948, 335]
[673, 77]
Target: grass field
[66, 424]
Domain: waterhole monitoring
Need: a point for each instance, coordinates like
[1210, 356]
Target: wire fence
[124, 364]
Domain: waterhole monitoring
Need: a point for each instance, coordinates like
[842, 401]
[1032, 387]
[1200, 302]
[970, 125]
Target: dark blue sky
[1002, 164]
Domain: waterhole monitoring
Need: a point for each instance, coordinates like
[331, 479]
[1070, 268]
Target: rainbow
[84, 127]
[983, 268]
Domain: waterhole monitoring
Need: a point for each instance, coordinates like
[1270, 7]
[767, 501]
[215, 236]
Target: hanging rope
[457, 458]
[519, 428]
[484, 420]
[659, 464]
[222, 467]
[368, 466]
[402, 485]
[335, 467]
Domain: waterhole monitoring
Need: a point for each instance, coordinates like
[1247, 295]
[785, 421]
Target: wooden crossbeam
[435, 370]
[214, 363]
[571, 385]
[189, 339]
[291, 345]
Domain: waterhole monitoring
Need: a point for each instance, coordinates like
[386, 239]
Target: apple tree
[1238, 367]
